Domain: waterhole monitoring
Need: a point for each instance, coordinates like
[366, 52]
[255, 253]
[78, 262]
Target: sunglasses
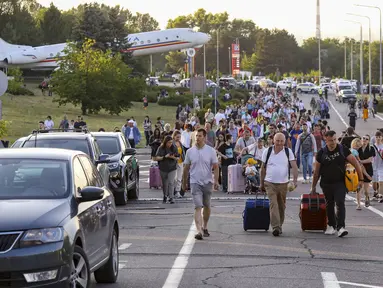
[366, 138]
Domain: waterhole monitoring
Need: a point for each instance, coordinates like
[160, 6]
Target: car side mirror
[91, 193]
[130, 151]
[104, 158]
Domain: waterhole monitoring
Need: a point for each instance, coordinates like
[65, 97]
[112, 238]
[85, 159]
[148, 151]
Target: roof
[39, 153]
[60, 135]
[106, 134]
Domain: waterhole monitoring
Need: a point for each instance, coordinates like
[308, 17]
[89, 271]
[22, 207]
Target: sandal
[198, 236]
[205, 233]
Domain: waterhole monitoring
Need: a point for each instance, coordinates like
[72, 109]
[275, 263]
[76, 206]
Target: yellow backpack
[351, 178]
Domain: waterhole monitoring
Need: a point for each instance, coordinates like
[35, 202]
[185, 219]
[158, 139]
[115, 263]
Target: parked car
[346, 95]
[82, 140]
[123, 166]
[307, 88]
[58, 220]
[18, 142]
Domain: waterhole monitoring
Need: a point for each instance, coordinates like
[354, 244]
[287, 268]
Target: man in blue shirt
[294, 133]
[132, 134]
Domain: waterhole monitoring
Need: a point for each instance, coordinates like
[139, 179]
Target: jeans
[178, 178]
[147, 137]
[307, 163]
[132, 143]
[335, 194]
[168, 182]
[224, 170]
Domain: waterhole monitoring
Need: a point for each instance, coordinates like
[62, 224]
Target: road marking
[330, 280]
[376, 115]
[358, 284]
[124, 246]
[337, 112]
[175, 275]
[234, 198]
[122, 264]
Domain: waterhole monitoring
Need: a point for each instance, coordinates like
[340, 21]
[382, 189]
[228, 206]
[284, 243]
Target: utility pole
[151, 64]
[352, 61]
[204, 60]
[345, 58]
[218, 56]
[230, 70]
[319, 40]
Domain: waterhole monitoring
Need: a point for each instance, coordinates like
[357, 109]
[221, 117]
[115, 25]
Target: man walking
[330, 167]
[200, 160]
[276, 161]
[307, 147]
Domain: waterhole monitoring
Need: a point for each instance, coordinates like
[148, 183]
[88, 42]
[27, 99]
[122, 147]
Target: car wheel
[312, 91]
[135, 192]
[121, 197]
[80, 274]
[109, 272]
[299, 91]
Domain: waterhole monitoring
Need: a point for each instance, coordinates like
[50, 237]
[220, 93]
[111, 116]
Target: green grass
[26, 111]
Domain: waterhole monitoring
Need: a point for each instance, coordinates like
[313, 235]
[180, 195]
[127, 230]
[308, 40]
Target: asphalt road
[158, 247]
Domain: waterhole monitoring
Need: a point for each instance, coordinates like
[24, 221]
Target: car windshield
[17, 144]
[33, 179]
[348, 92]
[70, 144]
[109, 145]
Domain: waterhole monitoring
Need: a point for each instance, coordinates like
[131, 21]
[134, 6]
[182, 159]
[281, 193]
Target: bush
[223, 105]
[380, 106]
[239, 94]
[152, 96]
[175, 100]
[16, 88]
[201, 116]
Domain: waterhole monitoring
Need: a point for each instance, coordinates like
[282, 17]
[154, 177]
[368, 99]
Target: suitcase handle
[264, 197]
[310, 208]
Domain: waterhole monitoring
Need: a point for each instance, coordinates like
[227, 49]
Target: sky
[296, 16]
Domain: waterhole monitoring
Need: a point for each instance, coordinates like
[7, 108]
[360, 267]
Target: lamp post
[345, 57]
[380, 42]
[218, 55]
[204, 61]
[361, 53]
[369, 49]
[229, 48]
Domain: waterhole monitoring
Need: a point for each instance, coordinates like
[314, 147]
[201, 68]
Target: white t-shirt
[218, 117]
[258, 152]
[185, 138]
[277, 169]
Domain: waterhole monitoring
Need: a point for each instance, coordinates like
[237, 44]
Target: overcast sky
[296, 16]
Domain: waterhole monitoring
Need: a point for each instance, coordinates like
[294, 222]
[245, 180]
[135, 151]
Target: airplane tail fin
[7, 47]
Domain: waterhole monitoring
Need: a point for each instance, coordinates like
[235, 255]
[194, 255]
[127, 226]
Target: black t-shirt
[346, 141]
[167, 164]
[332, 165]
[228, 151]
[352, 116]
[367, 153]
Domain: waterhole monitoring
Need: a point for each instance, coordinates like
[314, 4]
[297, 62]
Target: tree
[51, 26]
[95, 80]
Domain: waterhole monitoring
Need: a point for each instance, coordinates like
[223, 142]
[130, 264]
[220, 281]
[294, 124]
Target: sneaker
[304, 181]
[330, 230]
[276, 232]
[171, 201]
[358, 207]
[367, 203]
[342, 232]
[178, 195]
[380, 201]
[165, 199]
[205, 233]
[198, 236]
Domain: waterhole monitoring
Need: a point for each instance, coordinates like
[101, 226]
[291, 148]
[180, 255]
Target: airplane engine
[24, 57]
[190, 52]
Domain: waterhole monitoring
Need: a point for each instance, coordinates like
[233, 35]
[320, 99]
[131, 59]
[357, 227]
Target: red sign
[235, 59]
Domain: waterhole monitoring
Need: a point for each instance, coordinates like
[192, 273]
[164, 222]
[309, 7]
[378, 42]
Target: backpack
[270, 149]
[306, 145]
[350, 177]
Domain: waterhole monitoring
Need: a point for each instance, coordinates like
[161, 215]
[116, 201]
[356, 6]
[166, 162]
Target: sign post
[216, 92]
[3, 89]
[198, 85]
[235, 59]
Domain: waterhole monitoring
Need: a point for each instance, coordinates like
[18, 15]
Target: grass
[26, 111]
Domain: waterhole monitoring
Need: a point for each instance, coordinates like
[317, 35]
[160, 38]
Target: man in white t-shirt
[256, 148]
[276, 162]
[219, 116]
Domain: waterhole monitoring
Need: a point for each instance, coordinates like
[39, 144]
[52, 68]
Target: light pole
[318, 34]
[345, 57]
[380, 42]
[218, 55]
[369, 49]
[352, 61]
[204, 61]
[361, 53]
[229, 60]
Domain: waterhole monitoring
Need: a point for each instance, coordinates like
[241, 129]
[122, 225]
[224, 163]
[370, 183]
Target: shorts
[201, 194]
[377, 176]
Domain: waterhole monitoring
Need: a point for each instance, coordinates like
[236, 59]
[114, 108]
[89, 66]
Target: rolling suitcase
[257, 214]
[312, 213]
[155, 180]
[236, 181]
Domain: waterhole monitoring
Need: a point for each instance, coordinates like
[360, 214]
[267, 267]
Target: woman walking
[365, 110]
[181, 150]
[167, 157]
[155, 142]
[147, 129]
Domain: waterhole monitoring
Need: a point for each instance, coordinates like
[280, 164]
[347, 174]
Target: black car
[58, 220]
[123, 166]
[81, 140]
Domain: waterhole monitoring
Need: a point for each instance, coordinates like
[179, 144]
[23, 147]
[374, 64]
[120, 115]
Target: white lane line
[376, 115]
[337, 112]
[175, 275]
[122, 264]
[252, 196]
[358, 284]
[372, 209]
[124, 246]
[330, 280]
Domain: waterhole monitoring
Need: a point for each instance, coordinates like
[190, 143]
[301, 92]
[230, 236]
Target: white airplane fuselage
[146, 43]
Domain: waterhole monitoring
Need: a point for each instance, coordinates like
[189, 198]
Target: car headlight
[42, 236]
[113, 165]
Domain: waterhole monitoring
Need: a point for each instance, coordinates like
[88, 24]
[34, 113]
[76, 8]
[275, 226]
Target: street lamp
[361, 53]
[369, 48]
[380, 42]
[229, 48]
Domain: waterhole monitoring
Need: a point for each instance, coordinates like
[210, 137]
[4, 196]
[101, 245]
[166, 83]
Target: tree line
[262, 50]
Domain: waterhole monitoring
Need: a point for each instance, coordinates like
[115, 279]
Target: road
[158, 247]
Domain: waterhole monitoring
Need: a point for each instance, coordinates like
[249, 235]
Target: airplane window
[166, 38]
[148, 41]
[135, 43]
[142, 42]
[158, 40]
[178, 37]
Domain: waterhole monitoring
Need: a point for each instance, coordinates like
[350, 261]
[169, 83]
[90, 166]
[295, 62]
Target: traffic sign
[198, 84]
[3, 83]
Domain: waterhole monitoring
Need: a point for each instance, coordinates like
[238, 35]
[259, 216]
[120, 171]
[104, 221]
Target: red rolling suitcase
[313, 212]
[155, 180]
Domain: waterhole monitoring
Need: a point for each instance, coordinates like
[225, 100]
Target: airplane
[145, 43]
